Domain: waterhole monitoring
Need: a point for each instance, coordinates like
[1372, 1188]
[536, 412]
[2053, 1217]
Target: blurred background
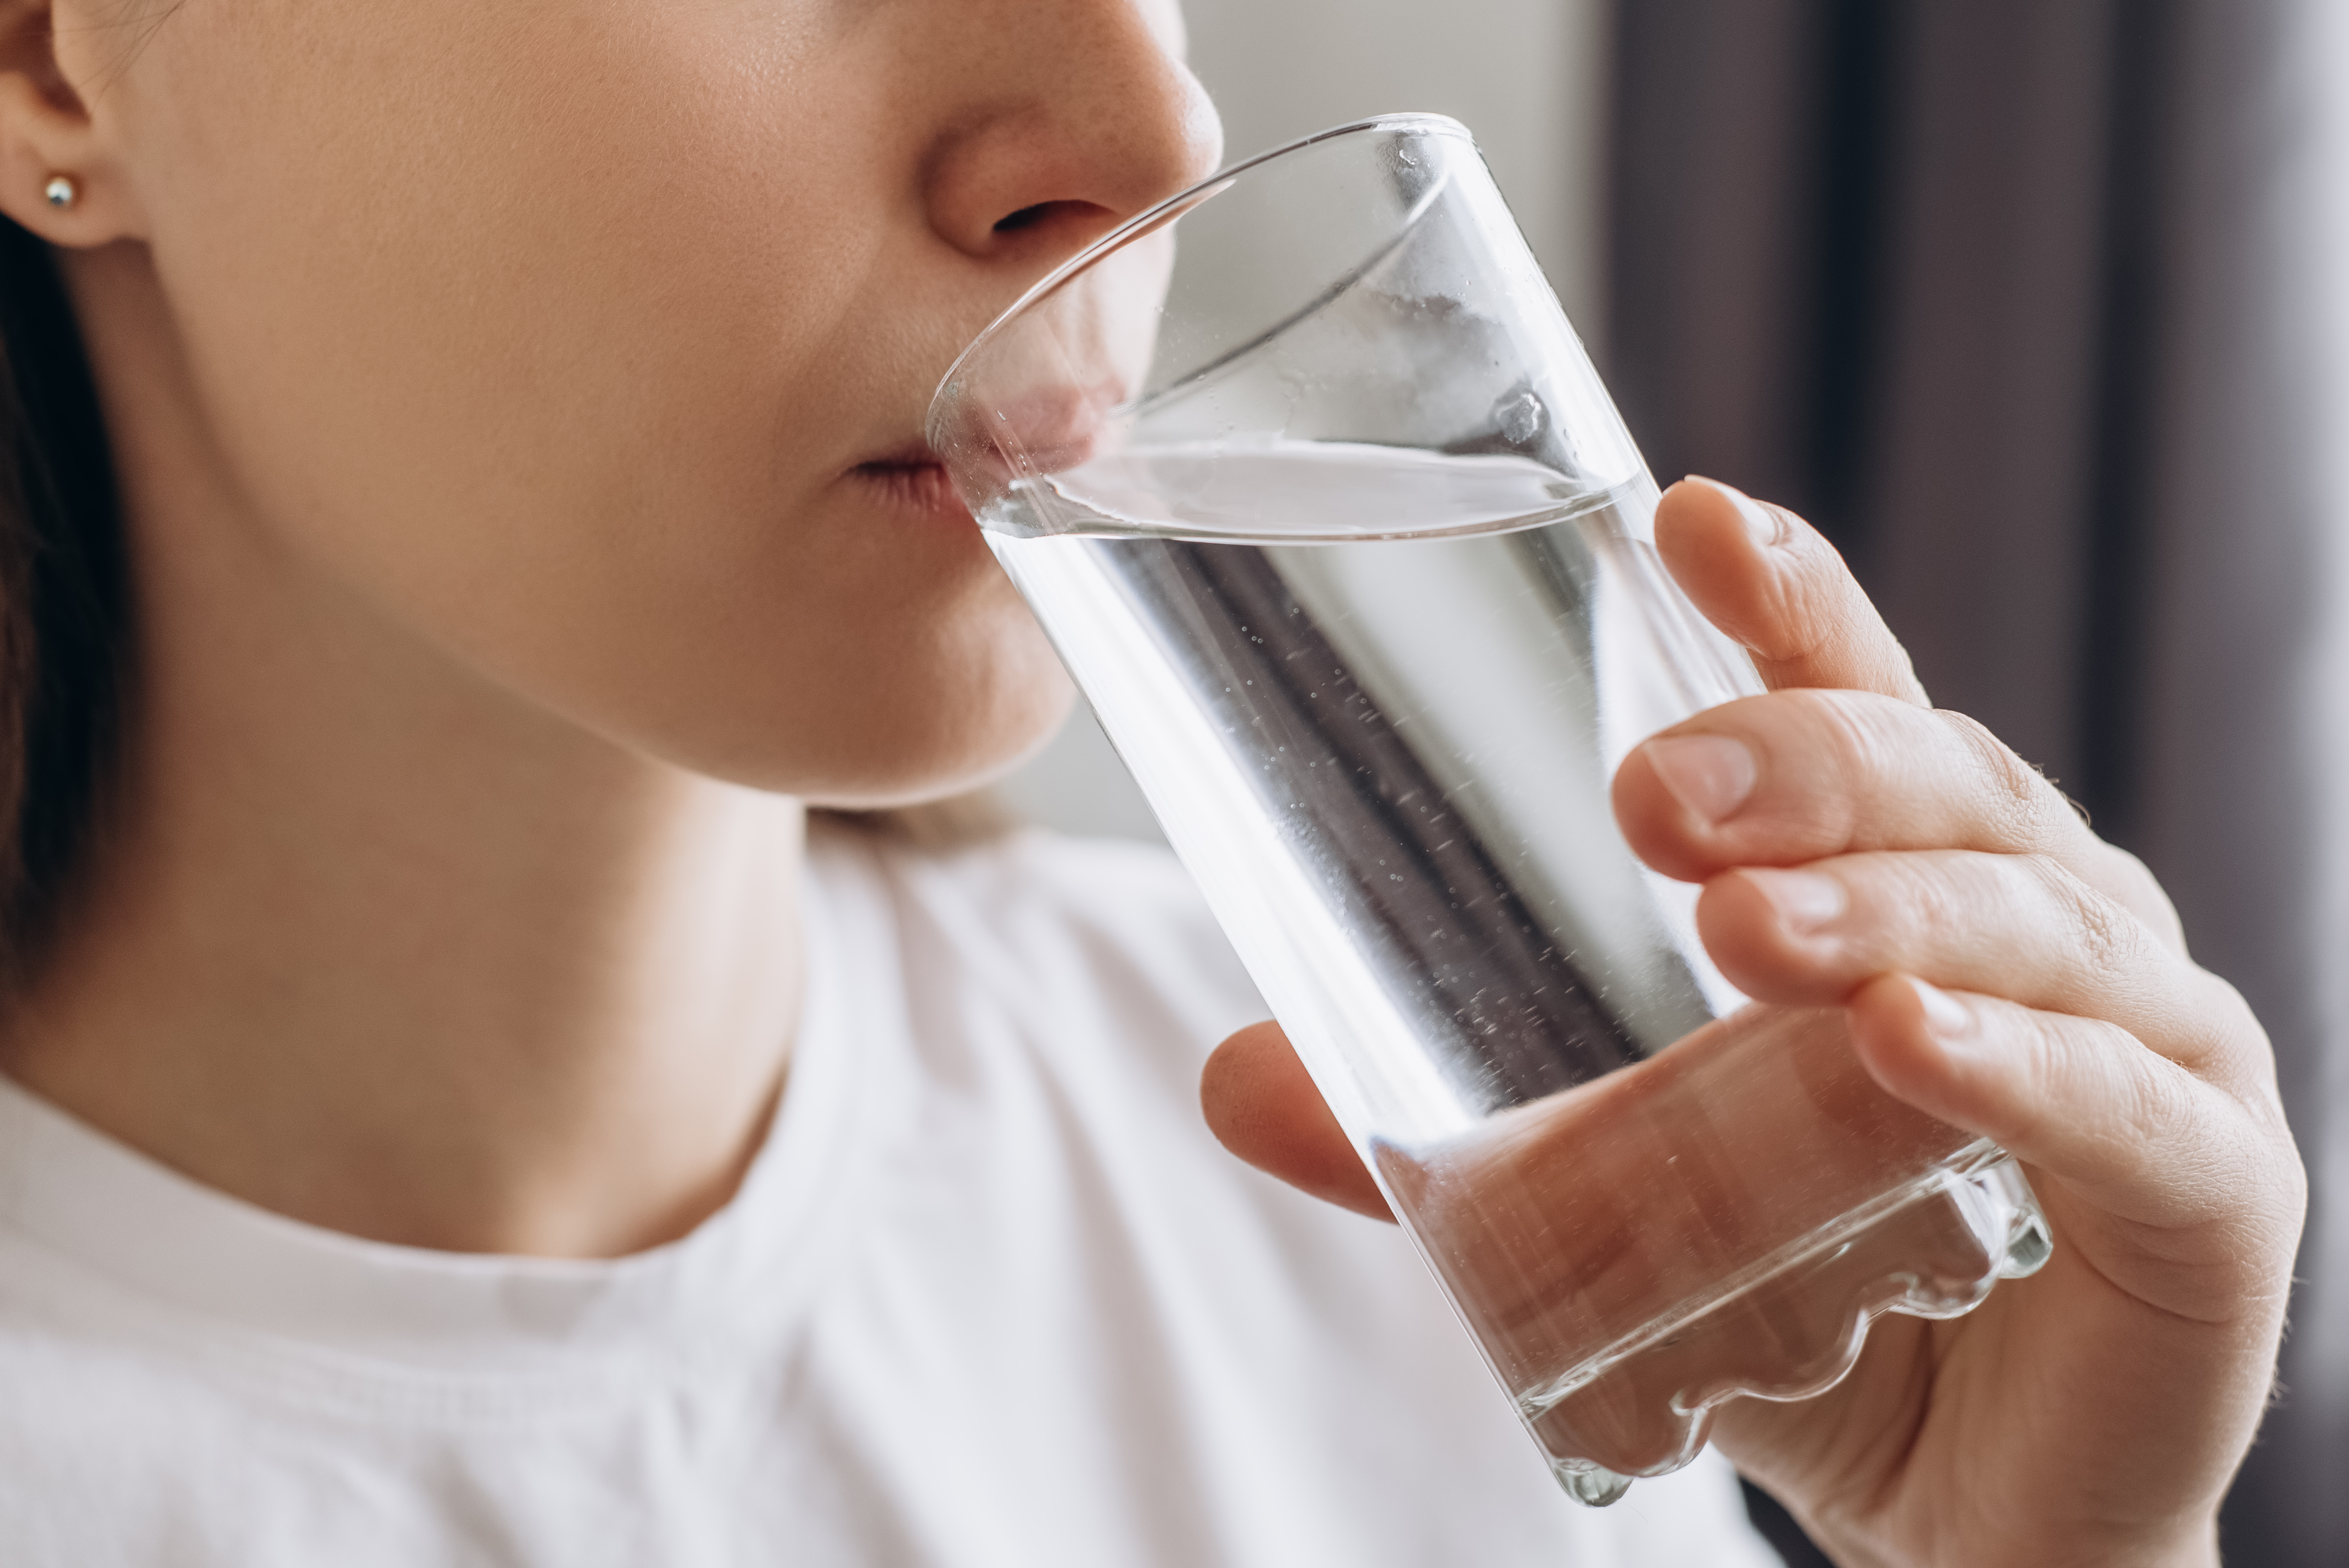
[2040, 309]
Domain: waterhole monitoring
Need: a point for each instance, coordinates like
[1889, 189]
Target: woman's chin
[882, 750]
[945, 761]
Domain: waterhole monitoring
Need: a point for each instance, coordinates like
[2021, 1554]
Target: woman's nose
[1082, 115]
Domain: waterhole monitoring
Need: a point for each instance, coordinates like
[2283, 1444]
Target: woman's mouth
[915, 480]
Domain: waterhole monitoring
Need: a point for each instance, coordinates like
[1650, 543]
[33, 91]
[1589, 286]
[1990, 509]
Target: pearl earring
[61, 190]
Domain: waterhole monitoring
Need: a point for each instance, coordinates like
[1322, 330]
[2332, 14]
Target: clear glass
[1321, 501]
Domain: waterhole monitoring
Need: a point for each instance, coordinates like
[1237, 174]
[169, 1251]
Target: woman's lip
[1041, 428]
[917, 481]
[912, 455]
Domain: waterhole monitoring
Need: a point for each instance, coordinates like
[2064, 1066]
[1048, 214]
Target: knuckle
[2131, 881]
[2107, 939]
[2154, 1097]
[2223, 1040]
[1812, 598]
[1824, 715]
[1830, 745]
[1849, 729]
[2042, 1056]
[2016, 798]
[1923, 895]
[2138, 1100]
[2230, 1011]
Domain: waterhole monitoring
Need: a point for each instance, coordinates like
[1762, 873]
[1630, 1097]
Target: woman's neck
[349, 965]
[379, 945]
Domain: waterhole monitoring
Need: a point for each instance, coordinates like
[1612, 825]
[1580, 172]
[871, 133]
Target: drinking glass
[1315, 493]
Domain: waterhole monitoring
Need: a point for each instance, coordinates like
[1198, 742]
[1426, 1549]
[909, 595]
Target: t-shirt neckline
[151, 1232]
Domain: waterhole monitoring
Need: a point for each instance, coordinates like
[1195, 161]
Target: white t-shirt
[991, 1295]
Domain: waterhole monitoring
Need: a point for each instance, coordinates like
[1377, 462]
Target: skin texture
[2000, 969]
[517, 408]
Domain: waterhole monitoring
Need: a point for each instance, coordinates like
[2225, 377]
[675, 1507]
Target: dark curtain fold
[2003, 294]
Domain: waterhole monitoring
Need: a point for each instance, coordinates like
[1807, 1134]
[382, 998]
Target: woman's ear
[60, 172]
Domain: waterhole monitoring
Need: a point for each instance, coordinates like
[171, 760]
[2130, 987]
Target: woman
[461, 1112]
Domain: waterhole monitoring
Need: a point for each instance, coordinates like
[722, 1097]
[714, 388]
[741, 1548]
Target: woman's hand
[2009, 973]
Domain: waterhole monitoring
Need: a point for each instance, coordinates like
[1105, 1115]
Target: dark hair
[65, 621]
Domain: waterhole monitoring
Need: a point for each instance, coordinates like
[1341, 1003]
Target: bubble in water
[1520, 418]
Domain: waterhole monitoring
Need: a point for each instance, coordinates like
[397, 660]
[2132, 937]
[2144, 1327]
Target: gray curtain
[2008, 296]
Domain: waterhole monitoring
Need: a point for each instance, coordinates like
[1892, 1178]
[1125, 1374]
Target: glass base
[1587, 1484]
[1791, 1326]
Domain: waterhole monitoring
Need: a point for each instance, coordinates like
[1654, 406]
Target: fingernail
[1763, 523]
[1805, 901]
[1712, 775]
[1949, 1018]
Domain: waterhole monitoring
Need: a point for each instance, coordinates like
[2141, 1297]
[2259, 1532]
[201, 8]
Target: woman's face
[590, 340]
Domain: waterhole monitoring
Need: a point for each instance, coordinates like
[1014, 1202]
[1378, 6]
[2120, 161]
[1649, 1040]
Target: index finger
[1773, 583]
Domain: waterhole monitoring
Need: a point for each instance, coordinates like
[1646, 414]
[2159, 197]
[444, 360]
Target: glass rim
[1174, 206]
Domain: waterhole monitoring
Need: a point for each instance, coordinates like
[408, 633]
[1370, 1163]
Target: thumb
[1262, 1106]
